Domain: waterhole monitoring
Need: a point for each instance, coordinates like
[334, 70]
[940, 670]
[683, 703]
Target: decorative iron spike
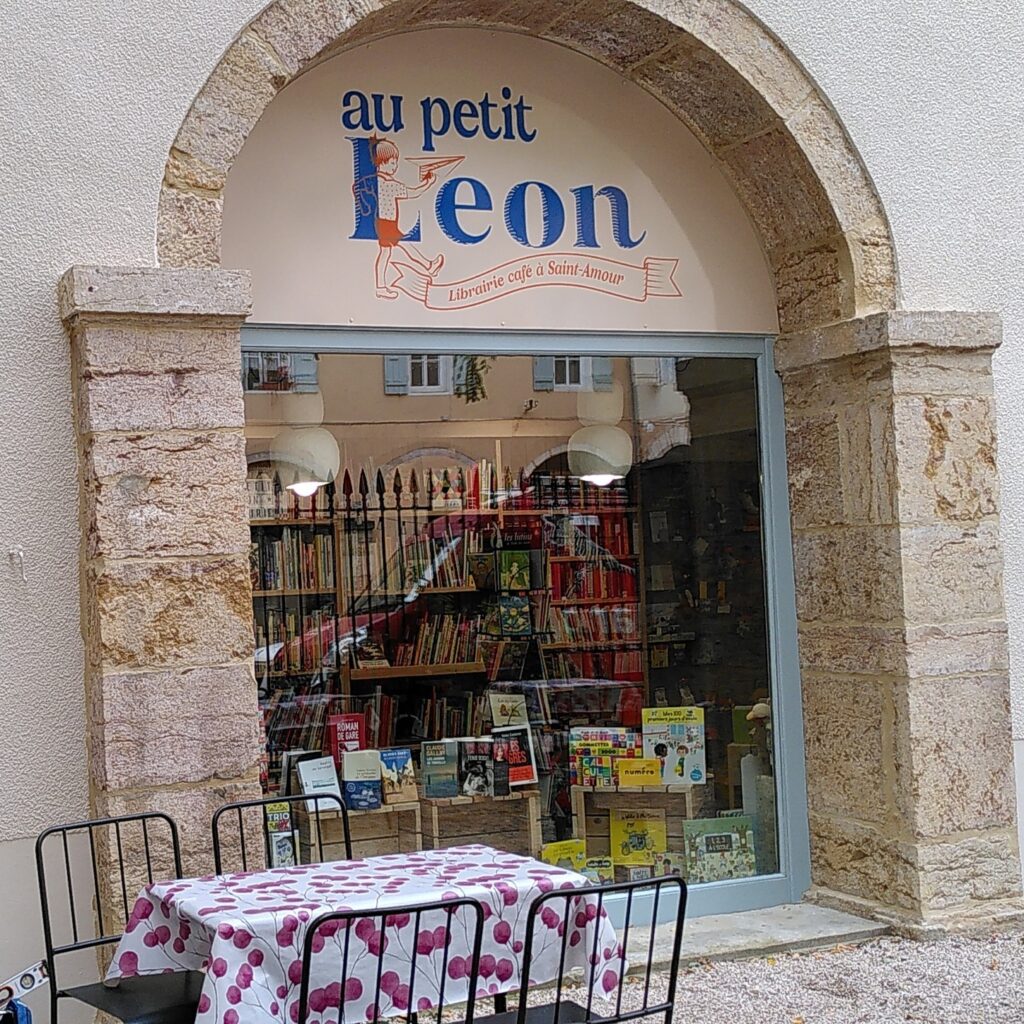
[414, 484]
[396, 484]
[378, 484]
[346, 485]
[364, 487]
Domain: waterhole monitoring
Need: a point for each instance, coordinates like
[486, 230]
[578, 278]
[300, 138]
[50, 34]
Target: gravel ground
[889, 980]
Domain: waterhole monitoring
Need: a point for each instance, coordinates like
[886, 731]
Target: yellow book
[568, 853]
[638, 771]
[638, 836]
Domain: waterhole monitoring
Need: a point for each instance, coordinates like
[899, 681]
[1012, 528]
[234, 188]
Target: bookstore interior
[531, 582]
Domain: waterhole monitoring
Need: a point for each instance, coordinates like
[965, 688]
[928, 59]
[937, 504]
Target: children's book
[507, 708]
[719, 848]
[361, 781]
[634, 772]
[397, 776]
[670, 863]
[439, 760]
[280, 835]
[513, 744]
[567, 853]
[675, 736]
[514, 615]
[476, 766]
[481, 569]
[637, 837]
[599, 869]
[594, 770]
[514, 570]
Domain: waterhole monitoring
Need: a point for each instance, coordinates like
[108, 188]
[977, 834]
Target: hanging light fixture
[311, 453]
[600, 454]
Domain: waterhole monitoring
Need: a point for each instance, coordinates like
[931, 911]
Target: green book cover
[515, 570]
[719, 848]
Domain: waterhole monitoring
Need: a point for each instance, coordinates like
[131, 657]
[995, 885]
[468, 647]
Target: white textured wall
[91, 95]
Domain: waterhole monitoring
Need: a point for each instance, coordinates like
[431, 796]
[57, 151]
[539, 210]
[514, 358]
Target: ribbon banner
[636, 282]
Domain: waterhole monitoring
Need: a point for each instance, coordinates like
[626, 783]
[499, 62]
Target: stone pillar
[894, 492]
[171, 707]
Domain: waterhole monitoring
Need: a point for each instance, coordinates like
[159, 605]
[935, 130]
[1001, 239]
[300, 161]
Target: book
[361, 784]
[514, 615]
[637, 836]
[345, 732]
[508, 708]
[440, 765]
[676, 737]
[670, 863]
[513, 744]
[599, 869]
[481, 569]
[719, 848]
[397, 776]
[639, 771]
[567, 853]
[318, 776]
[476, 766]
[514, 570]
[280, 836]
[594, 770]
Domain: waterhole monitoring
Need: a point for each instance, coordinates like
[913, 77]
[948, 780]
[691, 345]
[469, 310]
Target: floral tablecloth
[246, 931]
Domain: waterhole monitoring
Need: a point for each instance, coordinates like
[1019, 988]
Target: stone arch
[709, 61]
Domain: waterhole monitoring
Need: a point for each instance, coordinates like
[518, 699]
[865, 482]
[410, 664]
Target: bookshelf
[407, 599]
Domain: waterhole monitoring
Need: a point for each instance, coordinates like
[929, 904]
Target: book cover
[567, 853]
[513, 744]
[502, 786]
[507, 708]
[361, 794]
[360, 773]
[481, 569]
[719, 848]
[440, 764]
[639, 771]
[278, 817]
[594, 771]
[637, 836]
[476, 767]
[282, 849]
[514, 569]
[345, 732]
[599, 869]
[670, 863]
[514, 615]
[676, 737]
[397, 776]
[318, 776]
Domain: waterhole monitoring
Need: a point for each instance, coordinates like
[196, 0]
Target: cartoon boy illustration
[391, 192]
[681, 751]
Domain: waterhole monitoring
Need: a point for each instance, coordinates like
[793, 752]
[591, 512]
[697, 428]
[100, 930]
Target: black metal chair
[403, 999]
[567, 1010]
[322, 802]
[144, 999]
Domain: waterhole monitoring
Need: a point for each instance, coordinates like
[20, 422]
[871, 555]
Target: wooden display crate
[510, 823]
[592, 807]
[392, 828]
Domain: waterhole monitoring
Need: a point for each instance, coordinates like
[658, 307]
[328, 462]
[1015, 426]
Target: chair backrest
[407, 937]
[642, 904]
[125, 853]
[256, 814]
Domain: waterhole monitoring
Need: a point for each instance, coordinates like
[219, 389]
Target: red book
[345, 732]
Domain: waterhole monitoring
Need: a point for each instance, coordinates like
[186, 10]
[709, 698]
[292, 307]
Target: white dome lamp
[314, 454]
[600, 454]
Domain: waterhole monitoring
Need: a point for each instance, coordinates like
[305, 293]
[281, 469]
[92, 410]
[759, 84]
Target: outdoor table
[246, 931]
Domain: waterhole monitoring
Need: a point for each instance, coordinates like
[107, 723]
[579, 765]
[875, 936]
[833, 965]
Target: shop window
[584, 585]
[279, 371]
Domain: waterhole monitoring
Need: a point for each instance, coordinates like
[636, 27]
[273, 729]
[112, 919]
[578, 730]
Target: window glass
[576, 579]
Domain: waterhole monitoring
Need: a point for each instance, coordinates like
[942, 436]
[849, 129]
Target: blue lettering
[358, 118]
[364, 193]
[552, 214]
[586, 228]
[396, 113]
[427, 105]
[448, 205]
[463, 111]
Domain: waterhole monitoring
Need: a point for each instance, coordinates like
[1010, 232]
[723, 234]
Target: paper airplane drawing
[439, 166]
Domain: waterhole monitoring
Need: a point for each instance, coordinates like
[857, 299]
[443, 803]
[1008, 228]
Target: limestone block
[780, 190]
[185, 400]
[174, 726]
[971, 868]
[957, 648]
[818, 388]
[863, 861]
[850, 574]
[811, 283]
[717, 103]
[952, 572]
[954, 762]
[230, 103]
[848, 738]
[299, 30]
[173, 613]
[85, 291]
[947, 459]
[179, 493]
[813, 456]
[829, 151]
[157, 348]
[874, 265]
[935, 372]
[191, 806]
[746, 44]
[849, 648]
[617, 33]
[188, 228]
[533, 15]
[868, 463]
